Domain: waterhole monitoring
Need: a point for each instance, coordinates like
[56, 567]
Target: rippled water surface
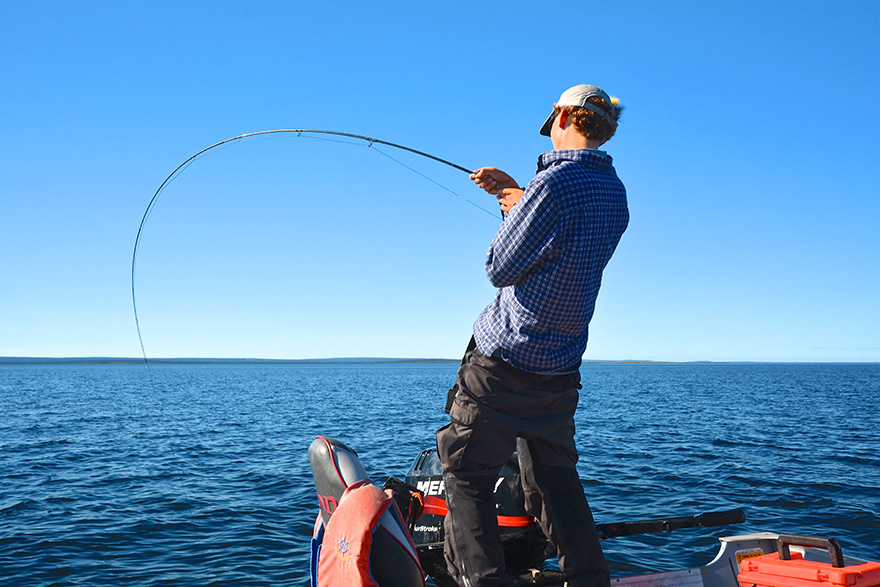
[198, 474]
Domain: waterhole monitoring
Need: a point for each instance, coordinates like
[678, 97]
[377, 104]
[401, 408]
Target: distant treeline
[192, 361]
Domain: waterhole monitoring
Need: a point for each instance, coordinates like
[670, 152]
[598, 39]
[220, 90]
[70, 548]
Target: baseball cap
[577, 96]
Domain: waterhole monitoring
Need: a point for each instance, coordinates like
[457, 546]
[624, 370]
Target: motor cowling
[524, 542]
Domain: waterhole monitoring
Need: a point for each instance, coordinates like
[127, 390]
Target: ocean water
[198, 474]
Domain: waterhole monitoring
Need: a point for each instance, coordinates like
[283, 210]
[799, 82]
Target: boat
[405, 538]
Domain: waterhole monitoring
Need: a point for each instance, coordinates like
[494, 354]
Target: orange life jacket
[345, 549]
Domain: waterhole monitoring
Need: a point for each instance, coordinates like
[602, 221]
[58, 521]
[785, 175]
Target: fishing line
[417, 172]
[490, 213]
[322, 135]
[330, 136]
[402, 164]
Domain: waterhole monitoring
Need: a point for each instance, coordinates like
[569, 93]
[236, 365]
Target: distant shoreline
[206, 361]
[360, 361]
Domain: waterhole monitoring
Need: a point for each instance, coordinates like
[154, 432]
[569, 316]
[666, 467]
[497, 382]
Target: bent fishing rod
[299, 132]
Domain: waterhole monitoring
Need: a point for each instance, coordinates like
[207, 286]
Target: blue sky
[748, 149]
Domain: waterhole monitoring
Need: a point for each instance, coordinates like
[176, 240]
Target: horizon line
[30, 360]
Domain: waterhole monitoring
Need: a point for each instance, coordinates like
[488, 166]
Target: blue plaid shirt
[547, 259]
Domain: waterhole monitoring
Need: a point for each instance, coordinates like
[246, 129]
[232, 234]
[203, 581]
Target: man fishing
[518, 383]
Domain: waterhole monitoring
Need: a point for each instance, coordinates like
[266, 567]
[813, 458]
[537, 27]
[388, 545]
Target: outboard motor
[339, 476]
[524, 542]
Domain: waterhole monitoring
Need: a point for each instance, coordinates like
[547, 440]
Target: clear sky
[748, 148]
